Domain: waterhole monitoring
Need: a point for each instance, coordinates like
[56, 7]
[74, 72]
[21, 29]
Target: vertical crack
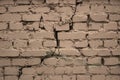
[56, 38]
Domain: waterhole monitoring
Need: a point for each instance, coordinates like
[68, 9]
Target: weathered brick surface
[59, 39]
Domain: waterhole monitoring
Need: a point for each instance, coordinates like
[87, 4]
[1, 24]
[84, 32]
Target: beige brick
[94, 26]
[102, 35]
[98, 77]
[50, 17]
[79, 18]
[3, 26]
[11, 78]
[49, 43]
[29, 71]
[110, 43]
[16, 26]
[97, 8]
[43, 35]
[98, 69]
[95, 60]
[5, 44]
[89, 52]
[31, 17]
[111, 26]
[66, 43]
[20, 44]
[114, 17]
[95, 43]
[69, 51]
[115, 70]
[40, 77]
[71, 77]
[35, 44]
[104, 52]
[1, 72]
[113, 77]
[111, 61]
[52, 1]
[32, 26]
[59, 70]
[79, 61]
[68, 70]
[11, 71]
[22, 2]
[98, 1]
[69, 2]
[116, 52]
[48, 25]
[80, 26]
[5, 62]
[9, 53]
[55, 77]
[115, 2]
[6, 2]
[83, 77]
[2, 9]
[9, 17]
[79, 69]
[34, 53]
[26, 77]
[64, 27]
[82, 9]
[40, 9]
[99, 17]
[37, 1]
[33, 61]
[18, 9]
[81, 44]
[19, 62]
[71, 35]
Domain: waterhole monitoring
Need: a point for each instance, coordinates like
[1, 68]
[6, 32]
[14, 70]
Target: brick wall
[59, 40]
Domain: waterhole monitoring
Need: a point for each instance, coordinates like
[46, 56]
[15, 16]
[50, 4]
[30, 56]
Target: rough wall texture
[59, 40]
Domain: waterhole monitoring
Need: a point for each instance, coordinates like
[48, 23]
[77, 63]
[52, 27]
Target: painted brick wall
[59, 40]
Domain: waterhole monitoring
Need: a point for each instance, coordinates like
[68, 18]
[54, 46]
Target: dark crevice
[102, 61]
[20, 72]
[56, 38]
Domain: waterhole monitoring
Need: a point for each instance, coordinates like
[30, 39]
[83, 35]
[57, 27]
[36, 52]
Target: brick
[115, 2]
[35, 44]
[68, 70]
[114, 17]
[1, 78]
[64, 27]
[95, 43]
[116, 52]
[40, 9]
[52, 1]
[98, 77]
[112, 9]
[22, 2]
[9, 17]
[50, 17]
[48, 26]
[6, 2]
[55, 77]
[34, 53]
[66, 44]
[31, 17]
[20, 43]
[5, 62]
[43, 35]
[71, 35]
[5, 44]
[49, 43]
[69, 51]
[59, 70]
[110, 43]
[115, 70]
[102, 35]
[80, 27]
[69, 2]
[11, 78]
[12, 71]
[33, 61]
[111, 26]
[71, 77]
[79, 69]
[99, 1]
[94, 60]
[104, 52]
[16, 26]
[79, 61]
[81, 44]
[40, 77]
[111, 61]
[94, 26]
[98, 17]
[29, 71]
[98, 69]
[97, 8]
[37, 1]
[26, 77]
[113, 77]
[9, 53]
[83, 77]
[19, 62]
[18, 9]
[79, 18]
[82, 9]
[1, 72]
[89, 52]
[2, 9]
[3, 26]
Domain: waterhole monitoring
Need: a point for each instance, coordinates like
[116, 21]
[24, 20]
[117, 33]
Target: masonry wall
[59, 40]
